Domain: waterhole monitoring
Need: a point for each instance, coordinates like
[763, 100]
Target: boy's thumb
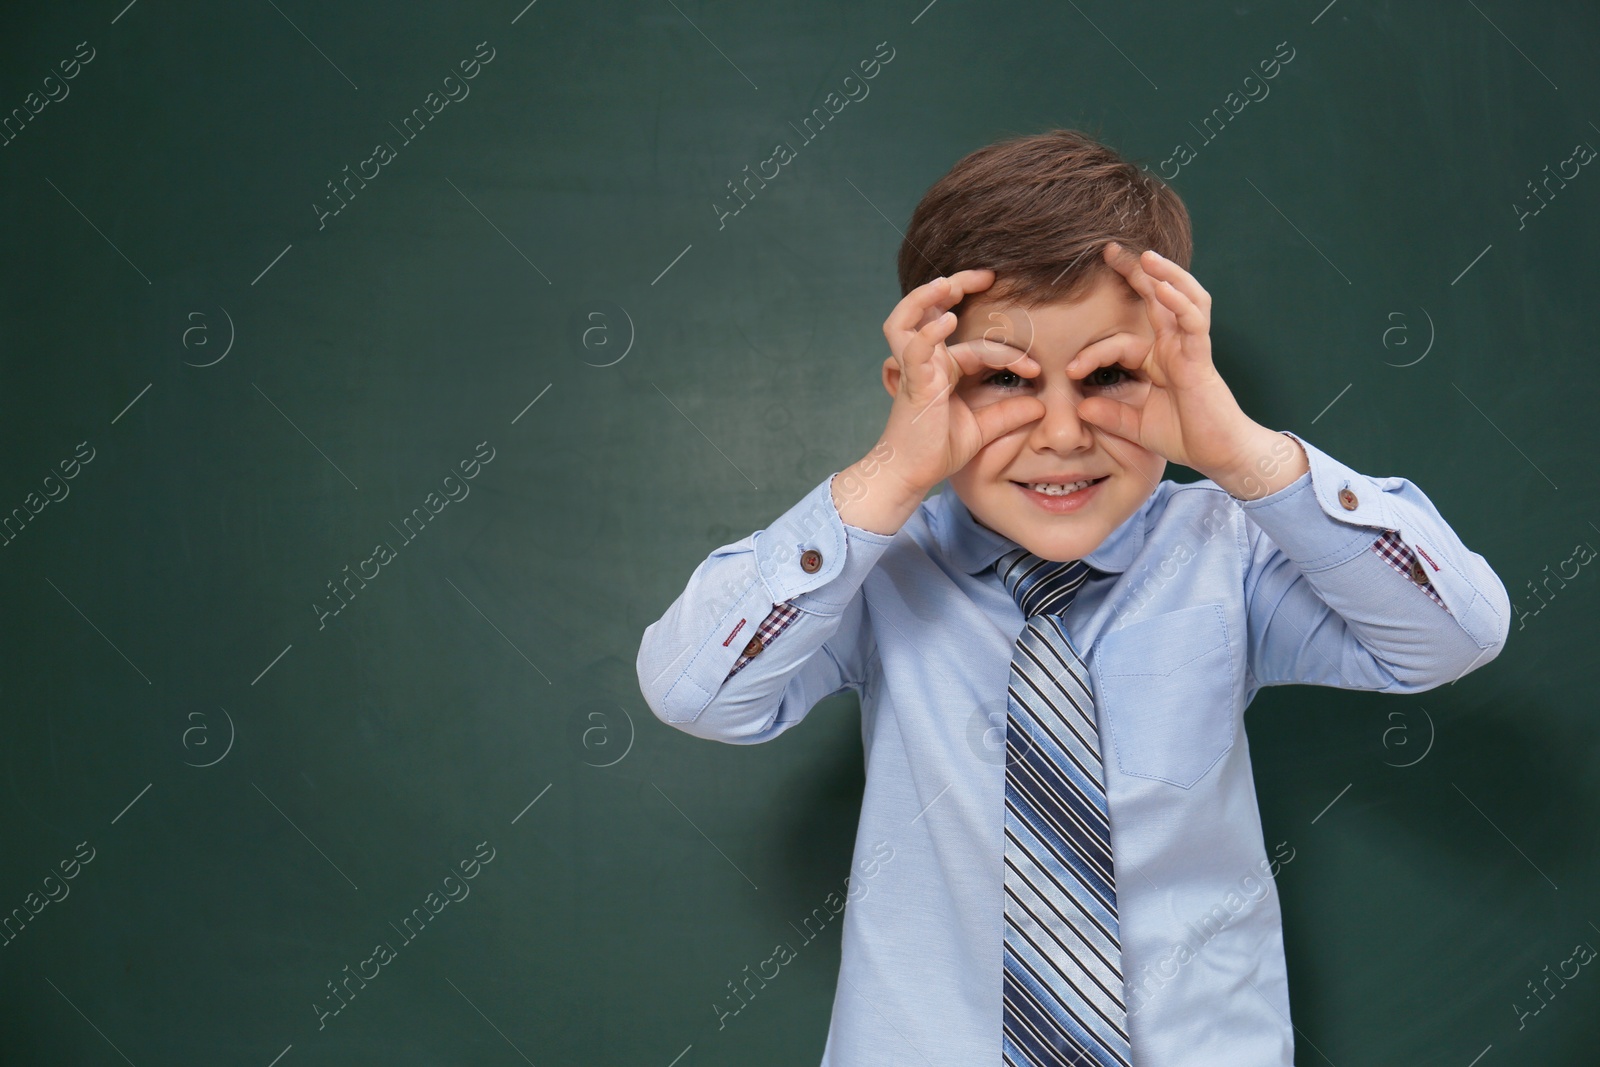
[997, 420]
[1105, 414]
[1090, 413]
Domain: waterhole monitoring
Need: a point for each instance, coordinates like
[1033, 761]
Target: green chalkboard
[374, 374]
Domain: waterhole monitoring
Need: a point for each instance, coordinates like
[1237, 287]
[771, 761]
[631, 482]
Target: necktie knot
[1041, 586]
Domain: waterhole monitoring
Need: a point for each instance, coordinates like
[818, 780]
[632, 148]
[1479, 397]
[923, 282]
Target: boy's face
[1059, 446]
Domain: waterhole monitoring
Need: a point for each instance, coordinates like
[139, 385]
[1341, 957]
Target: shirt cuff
[1325, 516]
[812, 557]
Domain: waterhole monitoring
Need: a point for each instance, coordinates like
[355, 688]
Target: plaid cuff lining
[1397, 555]
[775, 623]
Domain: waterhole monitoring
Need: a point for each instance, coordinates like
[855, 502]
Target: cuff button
[1348, 500]
[811, 561]
[754, 647]
[1418, 575]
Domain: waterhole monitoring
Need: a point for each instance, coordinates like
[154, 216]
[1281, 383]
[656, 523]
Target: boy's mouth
[1060, 496]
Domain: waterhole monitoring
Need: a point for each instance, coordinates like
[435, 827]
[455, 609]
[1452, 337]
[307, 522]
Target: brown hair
[1038, 210]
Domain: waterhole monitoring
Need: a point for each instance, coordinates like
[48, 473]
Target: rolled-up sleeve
[810, 564]
[1345, 579]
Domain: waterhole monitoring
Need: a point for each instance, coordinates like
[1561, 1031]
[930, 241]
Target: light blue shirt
[1206, 599]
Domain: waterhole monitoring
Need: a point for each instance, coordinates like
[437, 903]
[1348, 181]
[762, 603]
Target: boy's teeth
[1059, 490]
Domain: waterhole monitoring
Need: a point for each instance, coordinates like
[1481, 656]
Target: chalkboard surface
[374, 374]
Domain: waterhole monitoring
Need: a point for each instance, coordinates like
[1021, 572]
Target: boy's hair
[1038, 210]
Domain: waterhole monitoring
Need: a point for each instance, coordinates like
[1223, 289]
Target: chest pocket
[1166, 690]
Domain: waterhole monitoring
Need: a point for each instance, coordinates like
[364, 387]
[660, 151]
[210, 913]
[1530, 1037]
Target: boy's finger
[1146, 284]
[1122, 349]
[1159, 268]
[1112, 417]
[918, 347]
[962, 284]
[1185, 313]
[980, 354]
[1013, 413]
[1131, 267]
[927, 301]
[907, 315]
[909, 312]
[1122, 258]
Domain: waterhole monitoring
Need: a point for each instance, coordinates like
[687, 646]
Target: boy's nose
[1061, 429]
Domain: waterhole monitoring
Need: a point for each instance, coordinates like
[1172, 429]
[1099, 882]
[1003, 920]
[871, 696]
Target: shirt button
[1418, 575]
[811, 561]
[754, 647]
[1348, 499]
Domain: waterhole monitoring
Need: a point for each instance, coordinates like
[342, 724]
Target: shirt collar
[973, 546]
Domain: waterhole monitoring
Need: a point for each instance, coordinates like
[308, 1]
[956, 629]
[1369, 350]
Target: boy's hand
[1189, 414]
[932, 430]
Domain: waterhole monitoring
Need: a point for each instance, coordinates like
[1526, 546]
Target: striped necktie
[1061, 984]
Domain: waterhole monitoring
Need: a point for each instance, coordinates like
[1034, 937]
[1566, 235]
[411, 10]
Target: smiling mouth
[1061, 490]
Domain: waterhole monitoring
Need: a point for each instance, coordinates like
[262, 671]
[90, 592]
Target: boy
[1073, 897]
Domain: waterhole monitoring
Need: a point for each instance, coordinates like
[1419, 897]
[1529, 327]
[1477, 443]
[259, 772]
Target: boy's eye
[1008, 379]
[1004, 379]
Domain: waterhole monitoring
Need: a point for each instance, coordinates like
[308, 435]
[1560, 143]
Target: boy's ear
[891, 376]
